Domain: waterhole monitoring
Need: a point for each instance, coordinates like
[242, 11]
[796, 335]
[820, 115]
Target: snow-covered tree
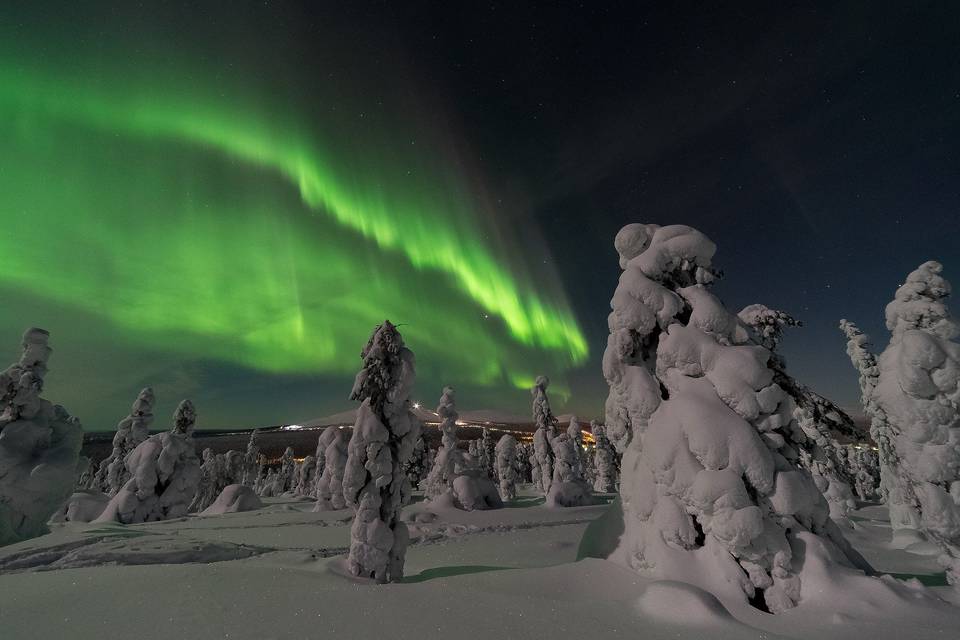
[307, 481]
[568, 488]
[576, 437]
[131, 431]
[440, 478]
[251, 460]
[894, 488]
[605, 461]
[207, 492]
[506, 467]
[918, 390]
[288, 470]
[711, 489]
[39, 445]
[546, 424]
[270, 484]
[418, 466]
[487, 454]
[457, 479]
[330, 483]
[384, 435]
[233, 468]
[524, 468]
[165, 473]
[865, 468]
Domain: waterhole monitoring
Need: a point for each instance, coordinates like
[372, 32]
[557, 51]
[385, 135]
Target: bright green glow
[422, 231]
[180, 223]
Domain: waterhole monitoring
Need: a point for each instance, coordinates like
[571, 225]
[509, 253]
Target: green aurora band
[183, 222]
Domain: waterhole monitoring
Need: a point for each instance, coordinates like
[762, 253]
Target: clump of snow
[39, 445]
[233, 499]
[85, 505]
[383, 439]
[710, 492]
[506, 466]
[165, 474]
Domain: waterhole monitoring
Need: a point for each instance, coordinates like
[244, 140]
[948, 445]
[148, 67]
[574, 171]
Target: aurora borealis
[211, 222]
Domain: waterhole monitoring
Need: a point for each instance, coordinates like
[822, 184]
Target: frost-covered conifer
[307, 482]
[524, 467]
[894, 488]
[568, 488]
[440, 478]
[418, 466]
[605, 462]
[287, 474]
[233, 468]
[711, 492]
[330, 482]
[251, 460]
[576, 436]
[207, 486]
[488, 454]
[39, 445]
[918, 390]
[327, 436]
[543, 437]
[384, 435]
[165, 473]
[456, 479]
[506, 466]
[131, 431]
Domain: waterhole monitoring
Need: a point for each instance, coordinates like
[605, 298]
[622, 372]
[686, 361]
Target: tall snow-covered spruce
[441, 476]
[507, 467]
[384, 436]
[131, 431]
[543, 437]
[39, 445]
[918, 395]
[712, 494]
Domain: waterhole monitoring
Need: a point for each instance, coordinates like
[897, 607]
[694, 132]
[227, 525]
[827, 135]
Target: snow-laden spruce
[487, 454]
[894, 487]
[287, 473]
[165, 474]
[307, 478]
[546, 424]
[457, 479]
[711, 490]
[331, 462]
[606, 469]
[918, 391]
[419, 464]
[384, 435]
[251, 460]
[568, 488]
[39, 445]
[207, 491]
[444, 470]
[131, 431]
[506, 451]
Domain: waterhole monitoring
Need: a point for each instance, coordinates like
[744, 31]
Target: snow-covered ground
[278, 573]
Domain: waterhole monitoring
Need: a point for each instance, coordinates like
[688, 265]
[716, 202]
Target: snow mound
[685, 604]
[234, 499]
[82, 506]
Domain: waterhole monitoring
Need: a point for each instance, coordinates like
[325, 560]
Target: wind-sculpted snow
[39, 445]
[711, 487]
[384, 435]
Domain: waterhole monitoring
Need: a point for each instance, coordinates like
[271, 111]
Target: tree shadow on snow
[446, 572]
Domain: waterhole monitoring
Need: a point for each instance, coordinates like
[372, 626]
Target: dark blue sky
[817, 146]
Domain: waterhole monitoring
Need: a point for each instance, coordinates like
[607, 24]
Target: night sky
[222, 199]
